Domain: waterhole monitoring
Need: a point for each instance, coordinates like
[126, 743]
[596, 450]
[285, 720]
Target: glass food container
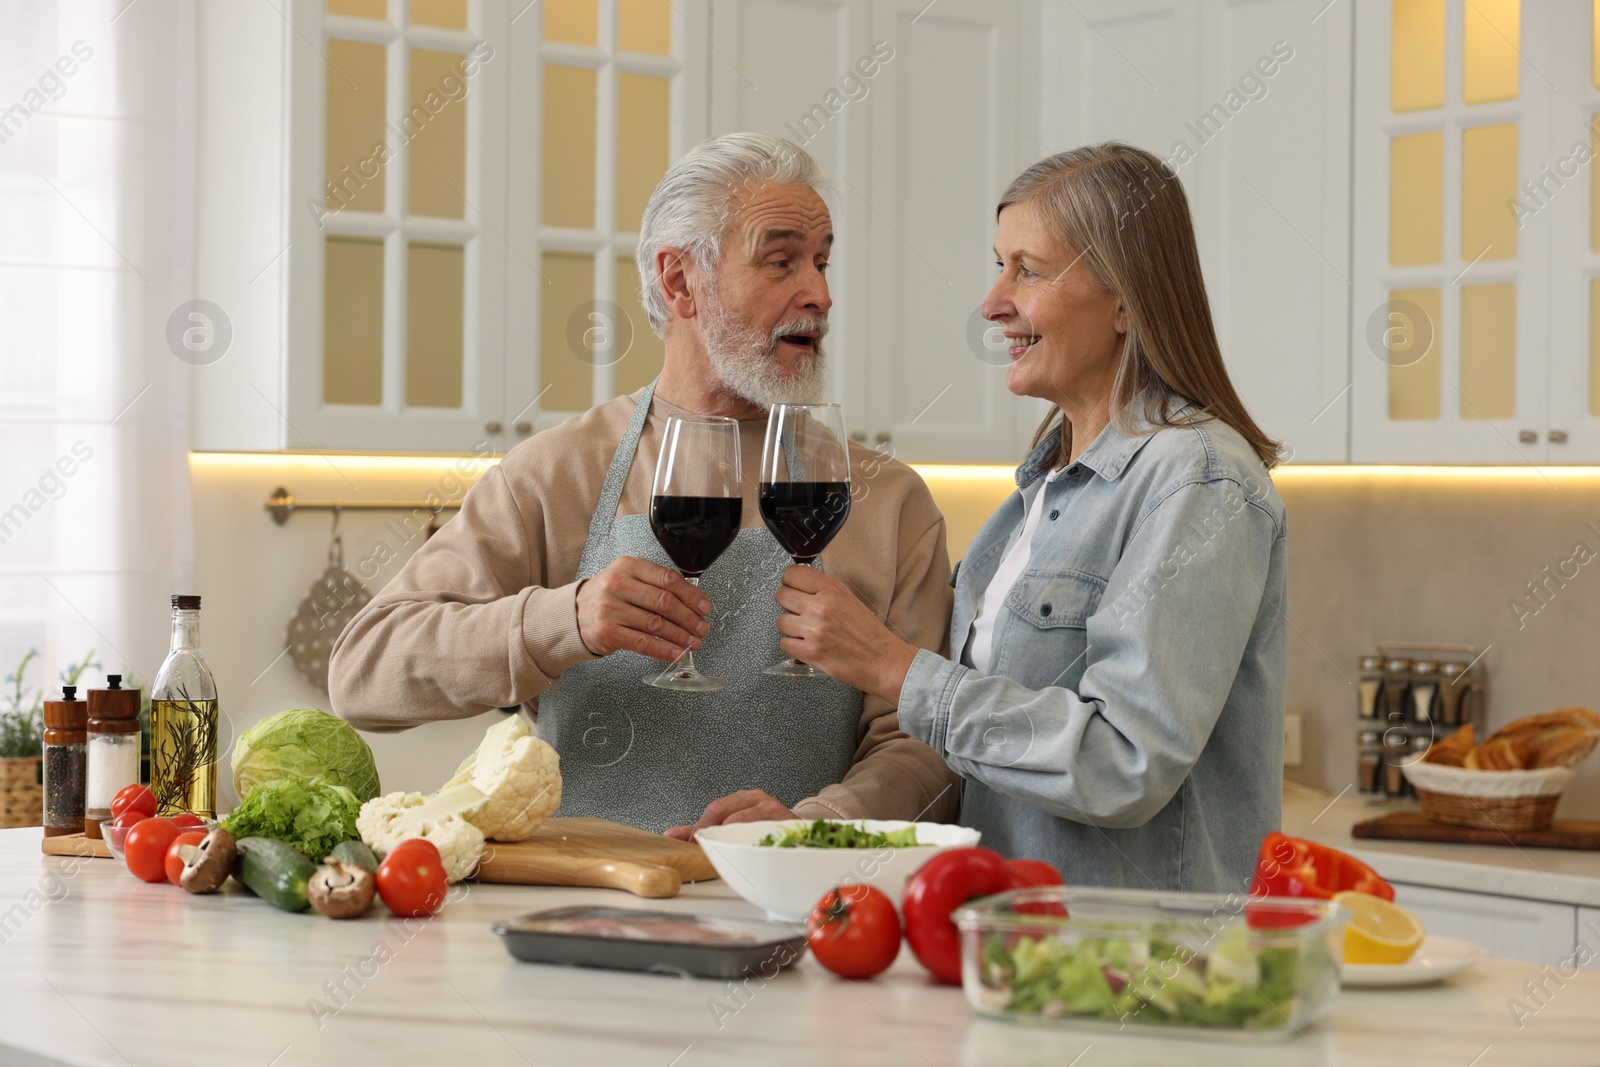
[1169, 963]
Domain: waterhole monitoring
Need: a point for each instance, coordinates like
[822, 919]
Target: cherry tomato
[129, 819]
[134, 798]
[145, 851]
[188, 818]
[935, 891]
[411, 879]
[854, 931]
[174, 861]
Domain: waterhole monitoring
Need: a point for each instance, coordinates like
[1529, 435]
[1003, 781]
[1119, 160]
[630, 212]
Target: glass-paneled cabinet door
[604, 96]
[397, 139]
[1449, 301]
[1565, 199]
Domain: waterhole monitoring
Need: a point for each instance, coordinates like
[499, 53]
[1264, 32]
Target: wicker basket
[21, 795]
[1507, 801]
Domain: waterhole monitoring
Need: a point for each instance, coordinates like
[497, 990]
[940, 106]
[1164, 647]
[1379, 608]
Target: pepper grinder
[113, 730]
[65, 762]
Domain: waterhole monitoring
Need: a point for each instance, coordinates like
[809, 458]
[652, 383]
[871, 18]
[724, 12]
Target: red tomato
[411, 879]
[129, 818]
[145, 851]
[188, 818]
[174, 861]
[935, 891]
[854, 931]
[134, 798]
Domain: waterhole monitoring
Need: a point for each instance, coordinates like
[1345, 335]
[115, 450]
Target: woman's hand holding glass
[828, 627]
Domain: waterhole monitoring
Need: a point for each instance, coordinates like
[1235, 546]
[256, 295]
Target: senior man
[549, 590]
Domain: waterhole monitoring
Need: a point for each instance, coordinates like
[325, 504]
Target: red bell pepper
[1295, 867]
[940, 886]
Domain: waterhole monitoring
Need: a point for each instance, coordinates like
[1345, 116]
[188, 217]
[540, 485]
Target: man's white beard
[745, 358]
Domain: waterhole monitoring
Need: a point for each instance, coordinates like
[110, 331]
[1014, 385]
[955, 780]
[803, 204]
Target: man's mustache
[815, 325]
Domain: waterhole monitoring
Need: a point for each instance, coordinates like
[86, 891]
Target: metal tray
[660, 942]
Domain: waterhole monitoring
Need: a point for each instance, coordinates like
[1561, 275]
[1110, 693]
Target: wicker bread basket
[1490, 800]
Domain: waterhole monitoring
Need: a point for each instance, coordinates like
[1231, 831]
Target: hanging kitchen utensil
[335, 598]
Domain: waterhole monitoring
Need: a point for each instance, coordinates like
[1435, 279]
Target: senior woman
[1117, 707]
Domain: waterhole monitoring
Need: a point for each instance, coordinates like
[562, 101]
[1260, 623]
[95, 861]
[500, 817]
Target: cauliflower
[504, 791]
[521, 777]
[386, 821]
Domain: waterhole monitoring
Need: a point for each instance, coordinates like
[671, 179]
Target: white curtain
[96, 248]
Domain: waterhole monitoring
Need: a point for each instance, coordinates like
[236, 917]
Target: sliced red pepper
[1294, 867]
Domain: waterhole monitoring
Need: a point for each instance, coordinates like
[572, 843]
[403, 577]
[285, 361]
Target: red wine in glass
[805, 489]
[696, 503]
[805, 516]
[695, 530]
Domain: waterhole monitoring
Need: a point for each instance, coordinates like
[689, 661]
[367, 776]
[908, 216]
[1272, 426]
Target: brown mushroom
[341, 890]
[207, 865]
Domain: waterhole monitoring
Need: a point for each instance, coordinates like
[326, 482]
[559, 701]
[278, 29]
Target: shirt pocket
[1046, 641]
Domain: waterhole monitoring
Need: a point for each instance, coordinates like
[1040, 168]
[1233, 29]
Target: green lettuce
[312, 816]
[304, 743]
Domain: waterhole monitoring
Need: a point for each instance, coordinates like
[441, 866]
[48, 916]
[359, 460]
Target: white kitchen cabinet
[1513, 390]
[945, 144]
[1589, 935]
[918, 153]
[776, 68]
[1515, 929]
[396, 301]
[1250, 104]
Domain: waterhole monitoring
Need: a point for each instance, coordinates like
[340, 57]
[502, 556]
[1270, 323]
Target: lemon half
[1379, 932]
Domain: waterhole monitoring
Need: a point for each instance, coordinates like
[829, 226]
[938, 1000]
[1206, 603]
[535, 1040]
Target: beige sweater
[484, 615]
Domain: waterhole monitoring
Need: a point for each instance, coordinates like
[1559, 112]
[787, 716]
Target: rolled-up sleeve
[1164, 644]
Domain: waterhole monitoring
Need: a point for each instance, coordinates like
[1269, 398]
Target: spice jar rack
[1410, 695]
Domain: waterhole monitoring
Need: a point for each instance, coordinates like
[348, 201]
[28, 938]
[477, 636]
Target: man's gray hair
[693, 203]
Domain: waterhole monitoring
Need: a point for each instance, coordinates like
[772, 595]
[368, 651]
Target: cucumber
[357, 853]
[275, 871]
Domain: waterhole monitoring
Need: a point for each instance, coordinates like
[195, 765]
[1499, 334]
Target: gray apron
[654, 758]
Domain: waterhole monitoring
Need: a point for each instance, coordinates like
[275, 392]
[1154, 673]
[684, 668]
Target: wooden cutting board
[1415, 826]
[74, 845]
[598, 853]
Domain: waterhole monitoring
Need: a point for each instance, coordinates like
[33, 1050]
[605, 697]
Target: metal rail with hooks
[281, 504]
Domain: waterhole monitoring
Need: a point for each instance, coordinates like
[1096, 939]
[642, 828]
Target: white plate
[1437, 958]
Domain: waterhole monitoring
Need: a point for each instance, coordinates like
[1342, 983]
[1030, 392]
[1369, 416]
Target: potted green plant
[22, 743]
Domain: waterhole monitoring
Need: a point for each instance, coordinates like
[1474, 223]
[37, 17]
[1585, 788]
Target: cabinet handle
[524, 428]
[1558, 437]
[881, 438]
[859, 436]
[491, 427]
[1527, 437]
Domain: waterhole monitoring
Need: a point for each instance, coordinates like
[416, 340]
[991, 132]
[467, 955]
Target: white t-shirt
[980, 644]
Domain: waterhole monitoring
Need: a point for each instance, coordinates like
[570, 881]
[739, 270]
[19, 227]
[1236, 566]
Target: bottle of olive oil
[183, 721]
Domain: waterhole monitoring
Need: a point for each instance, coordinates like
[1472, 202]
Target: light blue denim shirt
[1131, 729]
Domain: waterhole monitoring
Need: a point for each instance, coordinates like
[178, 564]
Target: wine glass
[805, 489]
[696, 502]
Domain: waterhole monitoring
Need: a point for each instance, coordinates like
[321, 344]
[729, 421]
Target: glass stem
[686, 661]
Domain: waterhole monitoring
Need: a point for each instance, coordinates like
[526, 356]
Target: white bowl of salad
[784, 867]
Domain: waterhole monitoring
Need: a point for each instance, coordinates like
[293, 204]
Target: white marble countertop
[1564, 876]
[98, 968]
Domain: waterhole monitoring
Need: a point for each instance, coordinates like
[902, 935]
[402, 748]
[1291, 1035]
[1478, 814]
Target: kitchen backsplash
[1373, 556]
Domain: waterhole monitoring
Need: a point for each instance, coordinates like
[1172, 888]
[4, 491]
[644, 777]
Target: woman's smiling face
[1064, 328]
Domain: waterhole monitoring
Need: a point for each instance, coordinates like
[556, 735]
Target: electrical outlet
[1291, 739]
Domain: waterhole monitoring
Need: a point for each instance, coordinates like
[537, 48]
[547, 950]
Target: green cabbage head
[304, 743]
